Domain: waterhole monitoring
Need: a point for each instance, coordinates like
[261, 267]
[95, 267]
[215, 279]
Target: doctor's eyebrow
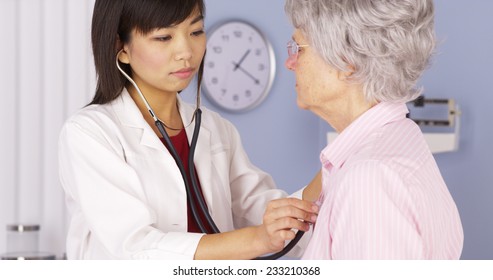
[197, 19]
[194, 21]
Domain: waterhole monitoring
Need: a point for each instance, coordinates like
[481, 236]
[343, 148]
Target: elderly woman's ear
[346, 75]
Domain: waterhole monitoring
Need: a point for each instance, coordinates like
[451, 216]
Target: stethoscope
[197, 116]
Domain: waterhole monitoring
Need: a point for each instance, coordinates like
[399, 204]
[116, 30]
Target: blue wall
[285, 141]
[463, 70]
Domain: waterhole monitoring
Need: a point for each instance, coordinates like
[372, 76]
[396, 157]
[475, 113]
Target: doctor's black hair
[112, 23]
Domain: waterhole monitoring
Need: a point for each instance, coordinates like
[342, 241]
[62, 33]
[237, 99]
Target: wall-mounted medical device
[439, 142]
[432, 110]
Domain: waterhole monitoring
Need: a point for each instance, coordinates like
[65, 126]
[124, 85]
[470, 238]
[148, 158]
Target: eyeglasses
[294, 48]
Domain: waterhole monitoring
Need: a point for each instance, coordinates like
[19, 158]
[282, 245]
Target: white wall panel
[47, 74]
[78, 55]
[54, 87]
[8, 147]
[30, 111]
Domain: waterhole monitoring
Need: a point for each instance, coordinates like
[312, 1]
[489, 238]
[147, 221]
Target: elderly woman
[356, 64]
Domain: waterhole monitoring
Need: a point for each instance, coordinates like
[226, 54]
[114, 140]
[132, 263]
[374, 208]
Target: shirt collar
[352, 138]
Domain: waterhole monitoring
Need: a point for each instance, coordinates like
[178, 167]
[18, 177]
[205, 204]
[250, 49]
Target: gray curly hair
[387, 43]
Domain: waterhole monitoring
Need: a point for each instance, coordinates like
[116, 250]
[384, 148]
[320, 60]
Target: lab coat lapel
[130, 116]
[203, 158]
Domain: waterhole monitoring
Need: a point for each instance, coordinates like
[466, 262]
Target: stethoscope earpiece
[118, 56]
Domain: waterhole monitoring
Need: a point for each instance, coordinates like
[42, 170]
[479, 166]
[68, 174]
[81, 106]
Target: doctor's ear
[123, 56]
[122, 53]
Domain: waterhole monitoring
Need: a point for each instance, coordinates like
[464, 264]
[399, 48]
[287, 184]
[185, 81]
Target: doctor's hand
[280, 218]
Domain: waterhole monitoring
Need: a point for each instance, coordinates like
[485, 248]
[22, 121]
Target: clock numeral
[258, 52]
[211, 64]
[217, 50]
[215, 80]
[261, 67]
[224, 91]
[250, 39]
[248, 94]
[236, 98]
[238, 34]
[225, 38]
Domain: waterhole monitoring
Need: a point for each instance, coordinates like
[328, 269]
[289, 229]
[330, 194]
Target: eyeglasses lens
[292, 48]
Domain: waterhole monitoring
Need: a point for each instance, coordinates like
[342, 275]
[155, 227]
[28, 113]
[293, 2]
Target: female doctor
[124, 191]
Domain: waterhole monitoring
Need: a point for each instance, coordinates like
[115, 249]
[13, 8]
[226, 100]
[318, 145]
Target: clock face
[239, 66]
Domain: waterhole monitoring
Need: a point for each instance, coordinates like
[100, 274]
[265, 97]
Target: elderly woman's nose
[290, 63]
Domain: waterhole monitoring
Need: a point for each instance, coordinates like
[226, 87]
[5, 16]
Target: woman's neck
[342, 112]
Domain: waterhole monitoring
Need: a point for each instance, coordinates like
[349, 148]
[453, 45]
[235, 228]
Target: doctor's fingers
[302, 211]
[282, 228]
[288, 213]
[304, 205]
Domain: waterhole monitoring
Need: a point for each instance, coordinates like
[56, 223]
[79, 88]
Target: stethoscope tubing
[193, 178]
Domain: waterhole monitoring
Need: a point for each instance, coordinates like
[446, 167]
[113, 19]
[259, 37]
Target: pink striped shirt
[383, 196]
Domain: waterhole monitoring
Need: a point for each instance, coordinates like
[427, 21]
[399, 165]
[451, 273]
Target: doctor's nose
[184, 51]
[184, 55]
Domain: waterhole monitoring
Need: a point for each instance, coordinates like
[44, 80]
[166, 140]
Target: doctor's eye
[163, 38]
[198, 32]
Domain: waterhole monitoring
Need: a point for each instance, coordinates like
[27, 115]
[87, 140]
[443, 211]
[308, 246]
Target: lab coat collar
[130, 116]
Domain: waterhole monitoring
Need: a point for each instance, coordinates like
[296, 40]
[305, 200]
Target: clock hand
[246, 72]
[241, 60]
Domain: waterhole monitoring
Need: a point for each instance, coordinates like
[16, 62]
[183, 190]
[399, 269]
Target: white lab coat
[125, 194]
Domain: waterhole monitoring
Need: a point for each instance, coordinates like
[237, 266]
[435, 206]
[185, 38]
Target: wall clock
[239, 66]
